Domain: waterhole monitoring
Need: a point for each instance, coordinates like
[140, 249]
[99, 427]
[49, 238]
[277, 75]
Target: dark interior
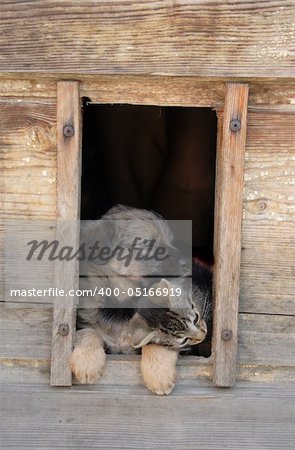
[159, 158]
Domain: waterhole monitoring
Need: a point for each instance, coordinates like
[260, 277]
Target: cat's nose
[200, 334]
[203, 326]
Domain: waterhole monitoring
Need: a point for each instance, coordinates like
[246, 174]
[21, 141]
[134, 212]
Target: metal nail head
[63, 329]
[235, 125]
[68, 131]
[227, 335]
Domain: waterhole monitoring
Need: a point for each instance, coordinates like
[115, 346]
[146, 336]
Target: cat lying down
[160, 325]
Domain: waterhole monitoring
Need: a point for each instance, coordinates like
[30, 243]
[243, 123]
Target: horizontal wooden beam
[27, 343]
[197, 38]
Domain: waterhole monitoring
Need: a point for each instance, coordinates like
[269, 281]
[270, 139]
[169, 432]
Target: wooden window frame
[230, 155]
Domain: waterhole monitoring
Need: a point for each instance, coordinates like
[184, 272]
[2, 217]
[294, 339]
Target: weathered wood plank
[184, 91]
[31, 87]
[43, 417]
[27, 279]
[227, 233]
[149, 90]
[28, 158]
[124, 370]
[200, 38]
[28, 164]
[159, 91]
[267, 268]
[264, 340]
[69, 154]
[25, 331]
[268, 233]
[16, 371]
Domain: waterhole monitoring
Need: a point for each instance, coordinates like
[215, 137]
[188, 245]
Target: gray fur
[176, 322]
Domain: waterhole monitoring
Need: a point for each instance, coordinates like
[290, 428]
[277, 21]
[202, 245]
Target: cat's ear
[159, 294]
[141, 333]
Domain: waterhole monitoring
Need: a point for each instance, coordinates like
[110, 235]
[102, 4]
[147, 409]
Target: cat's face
[171, 320]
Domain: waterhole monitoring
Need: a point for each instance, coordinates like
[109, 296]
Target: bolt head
[68, 130]
[227, 335]
[63, 329]
[235, 125]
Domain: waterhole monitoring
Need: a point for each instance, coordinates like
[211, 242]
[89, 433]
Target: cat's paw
[87, 364]
[158, 367]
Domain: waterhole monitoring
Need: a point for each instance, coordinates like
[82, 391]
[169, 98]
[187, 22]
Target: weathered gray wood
[227, 233]
[25, 331]
[27, 373]
[267, 340]
[210, 38]
[263, 339]
[253, 418]
[120, 370]
[267, 267]
[125, 371]
[264, 351]
[27, 280]
[68, 214]
[268, 232]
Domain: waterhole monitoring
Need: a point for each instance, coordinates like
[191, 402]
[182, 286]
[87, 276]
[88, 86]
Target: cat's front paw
[87, 364]
[158, 367]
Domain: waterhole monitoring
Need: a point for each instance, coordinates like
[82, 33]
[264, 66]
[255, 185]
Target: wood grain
[25, 332]
[125, 371]
[150, 90]
[69, 154]
[28, 158]
[227, 233]
[268, 233]
[267, 268]
[27, 166]
[255, 345]
[256, 417]
[264, 346]
[22, 276]
[236, 38]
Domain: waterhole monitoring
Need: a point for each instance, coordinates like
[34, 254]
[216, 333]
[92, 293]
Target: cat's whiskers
[206, 311]
[205, 305]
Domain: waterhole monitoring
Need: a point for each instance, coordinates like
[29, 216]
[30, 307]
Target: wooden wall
[268, 247]
[236, 38]
[28, 184]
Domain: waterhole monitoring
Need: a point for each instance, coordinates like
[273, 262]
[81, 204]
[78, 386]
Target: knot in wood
[262, 205]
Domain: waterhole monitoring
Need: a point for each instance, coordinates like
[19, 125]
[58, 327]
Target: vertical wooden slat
[68, 213]
[227, 235]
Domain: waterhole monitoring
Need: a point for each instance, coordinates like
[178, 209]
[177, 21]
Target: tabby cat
[178, 322]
